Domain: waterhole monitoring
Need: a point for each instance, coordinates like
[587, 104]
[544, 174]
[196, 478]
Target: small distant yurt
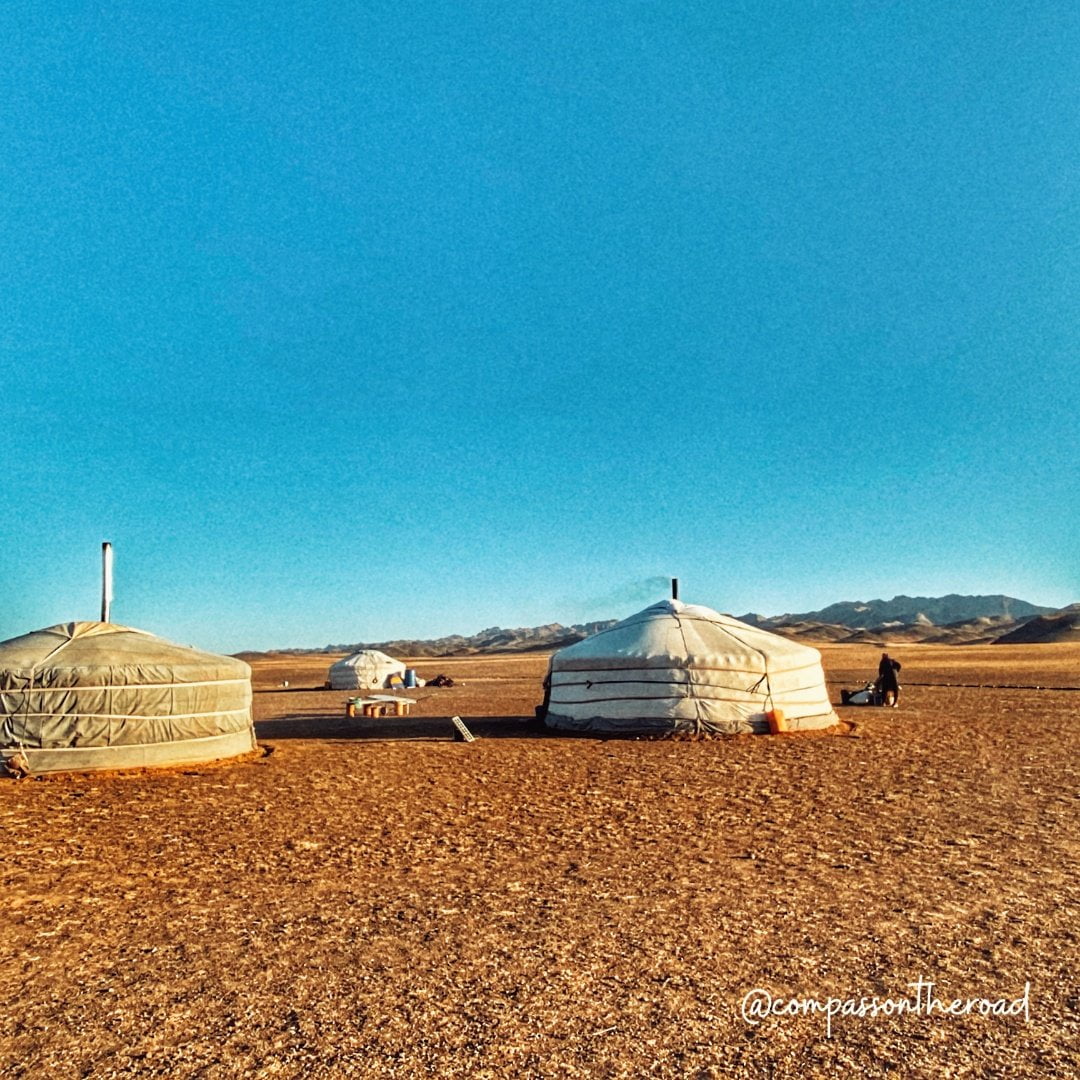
[678, 667]
[96, 695]
[368, 669]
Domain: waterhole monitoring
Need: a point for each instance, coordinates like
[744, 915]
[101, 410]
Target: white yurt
[96, 695]
[678, 667]
[368, 669]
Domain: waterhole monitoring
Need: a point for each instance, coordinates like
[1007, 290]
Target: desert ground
[373, 898]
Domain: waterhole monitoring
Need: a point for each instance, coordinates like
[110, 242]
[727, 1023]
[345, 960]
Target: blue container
[410, 678]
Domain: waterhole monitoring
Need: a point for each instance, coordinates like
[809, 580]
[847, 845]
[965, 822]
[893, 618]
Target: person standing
[888, 685]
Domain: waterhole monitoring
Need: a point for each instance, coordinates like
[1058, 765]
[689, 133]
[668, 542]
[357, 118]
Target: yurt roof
[130, 656]
[368, 656]
[674, 634]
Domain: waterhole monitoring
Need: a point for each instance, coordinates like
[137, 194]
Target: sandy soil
[372, 898]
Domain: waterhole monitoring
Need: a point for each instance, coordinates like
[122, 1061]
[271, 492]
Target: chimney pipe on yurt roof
[106, 580]
[674, 588]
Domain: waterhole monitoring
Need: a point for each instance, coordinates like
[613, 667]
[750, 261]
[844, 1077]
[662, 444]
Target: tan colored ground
[528, 905]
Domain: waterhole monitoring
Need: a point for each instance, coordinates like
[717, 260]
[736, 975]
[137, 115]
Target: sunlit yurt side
[678, 667]
[96, 695]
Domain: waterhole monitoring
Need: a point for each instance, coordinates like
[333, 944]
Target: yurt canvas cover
[92, 695]
[365, 670]
[686, 668]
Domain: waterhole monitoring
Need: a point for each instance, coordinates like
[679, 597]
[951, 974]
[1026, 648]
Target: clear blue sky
[353, 321]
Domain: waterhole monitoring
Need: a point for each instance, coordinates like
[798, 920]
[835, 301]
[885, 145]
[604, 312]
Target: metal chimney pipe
[106, 580]
[674, 588]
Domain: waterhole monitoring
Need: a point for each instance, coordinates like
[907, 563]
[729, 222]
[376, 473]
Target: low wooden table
[379, 705]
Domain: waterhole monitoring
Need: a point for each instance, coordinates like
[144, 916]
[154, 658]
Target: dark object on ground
[440, 680]
[866, 696]
[871, 694]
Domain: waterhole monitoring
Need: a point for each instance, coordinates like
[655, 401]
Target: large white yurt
[368, 669]
[678, 667]
[96, 695]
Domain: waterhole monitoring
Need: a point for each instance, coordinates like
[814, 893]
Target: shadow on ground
[395, 728]
[441, 729]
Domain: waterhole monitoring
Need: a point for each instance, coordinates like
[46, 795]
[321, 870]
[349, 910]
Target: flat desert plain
[372, 898]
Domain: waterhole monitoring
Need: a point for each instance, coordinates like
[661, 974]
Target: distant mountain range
[1063, 625]
[495, 639]
[933, 620]
[942, 620]
[939, 610]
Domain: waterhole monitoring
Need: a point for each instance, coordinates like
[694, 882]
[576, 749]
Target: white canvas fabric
[368, 669]
[87, 695]
[686, 668]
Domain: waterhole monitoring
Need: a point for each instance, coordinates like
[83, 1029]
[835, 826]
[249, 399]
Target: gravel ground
[372, 898]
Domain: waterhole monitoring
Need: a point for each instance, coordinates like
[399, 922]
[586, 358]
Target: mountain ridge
[953, 619]
[939, 610]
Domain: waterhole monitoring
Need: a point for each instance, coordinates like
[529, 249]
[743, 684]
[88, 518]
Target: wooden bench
[379, 705]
